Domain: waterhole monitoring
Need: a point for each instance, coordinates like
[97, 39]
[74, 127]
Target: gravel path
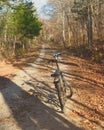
[25, 100]
[28, 101]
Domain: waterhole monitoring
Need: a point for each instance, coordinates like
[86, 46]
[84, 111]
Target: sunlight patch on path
[42, 52]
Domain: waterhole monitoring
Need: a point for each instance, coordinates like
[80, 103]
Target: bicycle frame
[57, 72]
[59, 83]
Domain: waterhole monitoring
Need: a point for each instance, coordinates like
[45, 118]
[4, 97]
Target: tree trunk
[99, 20]
[14, 46]
[69, 30]
[89, 26]
[63, 31]
[83, 31]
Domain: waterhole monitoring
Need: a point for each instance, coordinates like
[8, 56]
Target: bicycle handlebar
[50, 60]
[59, 53]
[56, 56]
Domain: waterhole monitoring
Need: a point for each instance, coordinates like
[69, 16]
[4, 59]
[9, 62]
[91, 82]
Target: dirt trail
[25, 99]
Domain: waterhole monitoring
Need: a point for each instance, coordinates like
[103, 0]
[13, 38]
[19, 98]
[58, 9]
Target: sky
[44, 9]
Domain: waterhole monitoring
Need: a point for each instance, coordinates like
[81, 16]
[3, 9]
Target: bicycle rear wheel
[68, 88]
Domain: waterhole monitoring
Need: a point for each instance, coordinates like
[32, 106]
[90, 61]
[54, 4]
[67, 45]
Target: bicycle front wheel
[61, 92]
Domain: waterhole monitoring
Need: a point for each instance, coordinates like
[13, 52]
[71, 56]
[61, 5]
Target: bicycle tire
[61, 91]
[68, 88]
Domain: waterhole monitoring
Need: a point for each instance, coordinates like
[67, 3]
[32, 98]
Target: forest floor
[26, 93]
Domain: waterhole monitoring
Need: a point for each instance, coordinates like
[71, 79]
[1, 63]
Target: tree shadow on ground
[85, 79]
[28, 111]
[85, 116]
[85, 106]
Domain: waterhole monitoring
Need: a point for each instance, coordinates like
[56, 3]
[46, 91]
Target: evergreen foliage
[19, 24]
[26, 21]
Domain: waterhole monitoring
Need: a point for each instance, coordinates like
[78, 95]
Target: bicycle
[60, 83]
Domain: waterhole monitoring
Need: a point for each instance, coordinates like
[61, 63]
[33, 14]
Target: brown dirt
[7, 69]
[85, 110]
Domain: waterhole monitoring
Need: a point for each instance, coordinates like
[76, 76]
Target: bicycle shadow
[27, 110]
